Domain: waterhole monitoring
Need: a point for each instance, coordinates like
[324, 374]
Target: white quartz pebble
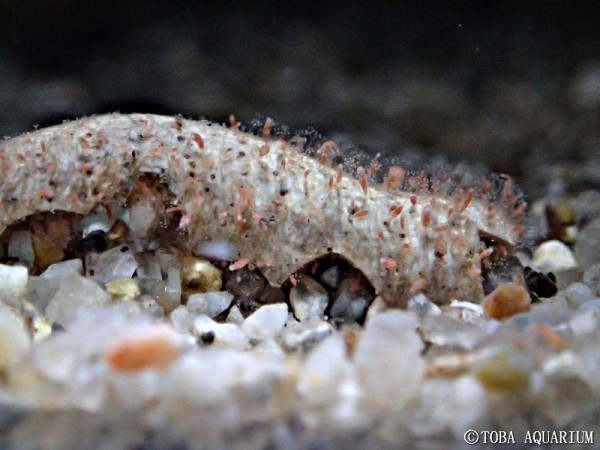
[553, 256]
[210, 304]
[13, 280]
[266, 322]
[14, 340]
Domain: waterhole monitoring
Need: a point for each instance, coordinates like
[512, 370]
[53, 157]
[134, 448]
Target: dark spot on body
[207, 338]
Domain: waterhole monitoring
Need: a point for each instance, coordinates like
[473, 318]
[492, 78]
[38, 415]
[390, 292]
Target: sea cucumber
[278, 206]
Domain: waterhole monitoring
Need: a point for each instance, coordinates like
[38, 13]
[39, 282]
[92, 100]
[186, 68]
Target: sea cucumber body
[279, 207]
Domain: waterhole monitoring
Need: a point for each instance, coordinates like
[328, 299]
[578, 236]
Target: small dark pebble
[96, 241]
[271, 294]
[57, 327]
[245, 283]
[540, 284]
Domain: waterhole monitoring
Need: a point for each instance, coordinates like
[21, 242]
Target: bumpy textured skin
[278, 206]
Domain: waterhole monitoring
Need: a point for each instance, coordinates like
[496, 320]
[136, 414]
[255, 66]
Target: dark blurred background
[514, 86]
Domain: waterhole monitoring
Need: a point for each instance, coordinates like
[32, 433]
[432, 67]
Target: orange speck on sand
[263, 150]
[395, 177]
[362, 178]
[198, 140]
[45, 192]
[426, 216]
[359, 214]
[394, 212]
[156, 347]
[467, 201]
[240, 263]
[506, 300]
[266, 131]
[388, 263]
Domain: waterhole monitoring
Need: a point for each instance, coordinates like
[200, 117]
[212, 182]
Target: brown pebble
[46, 252]
[506, 300]
[117, 231]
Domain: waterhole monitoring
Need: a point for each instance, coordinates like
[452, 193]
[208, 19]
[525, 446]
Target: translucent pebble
[553, 256]
[593, 304]
[142, 216]
[150, 305]
[591, 278]
[304, 335]
[235, 316]
[308, 299]
[148, 266]
[391, 373]
[58, 270]
[422, 306]
[586, 320]
[450, 404]
[446, 330]
[245, 283]
[74, 292]
[577, 294]
[181, 319]
[331, 276]
[173, 290]
[210, 304]
[117, 262]
[20, 246]
[209, 332]
[13, 284]
[266, 322]
[217, 250]
[14, 340]
[323, 371]
[348, 306]
[587, 245]
[40, 291]
[507, 370]
[166, 260]
[552, 313]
